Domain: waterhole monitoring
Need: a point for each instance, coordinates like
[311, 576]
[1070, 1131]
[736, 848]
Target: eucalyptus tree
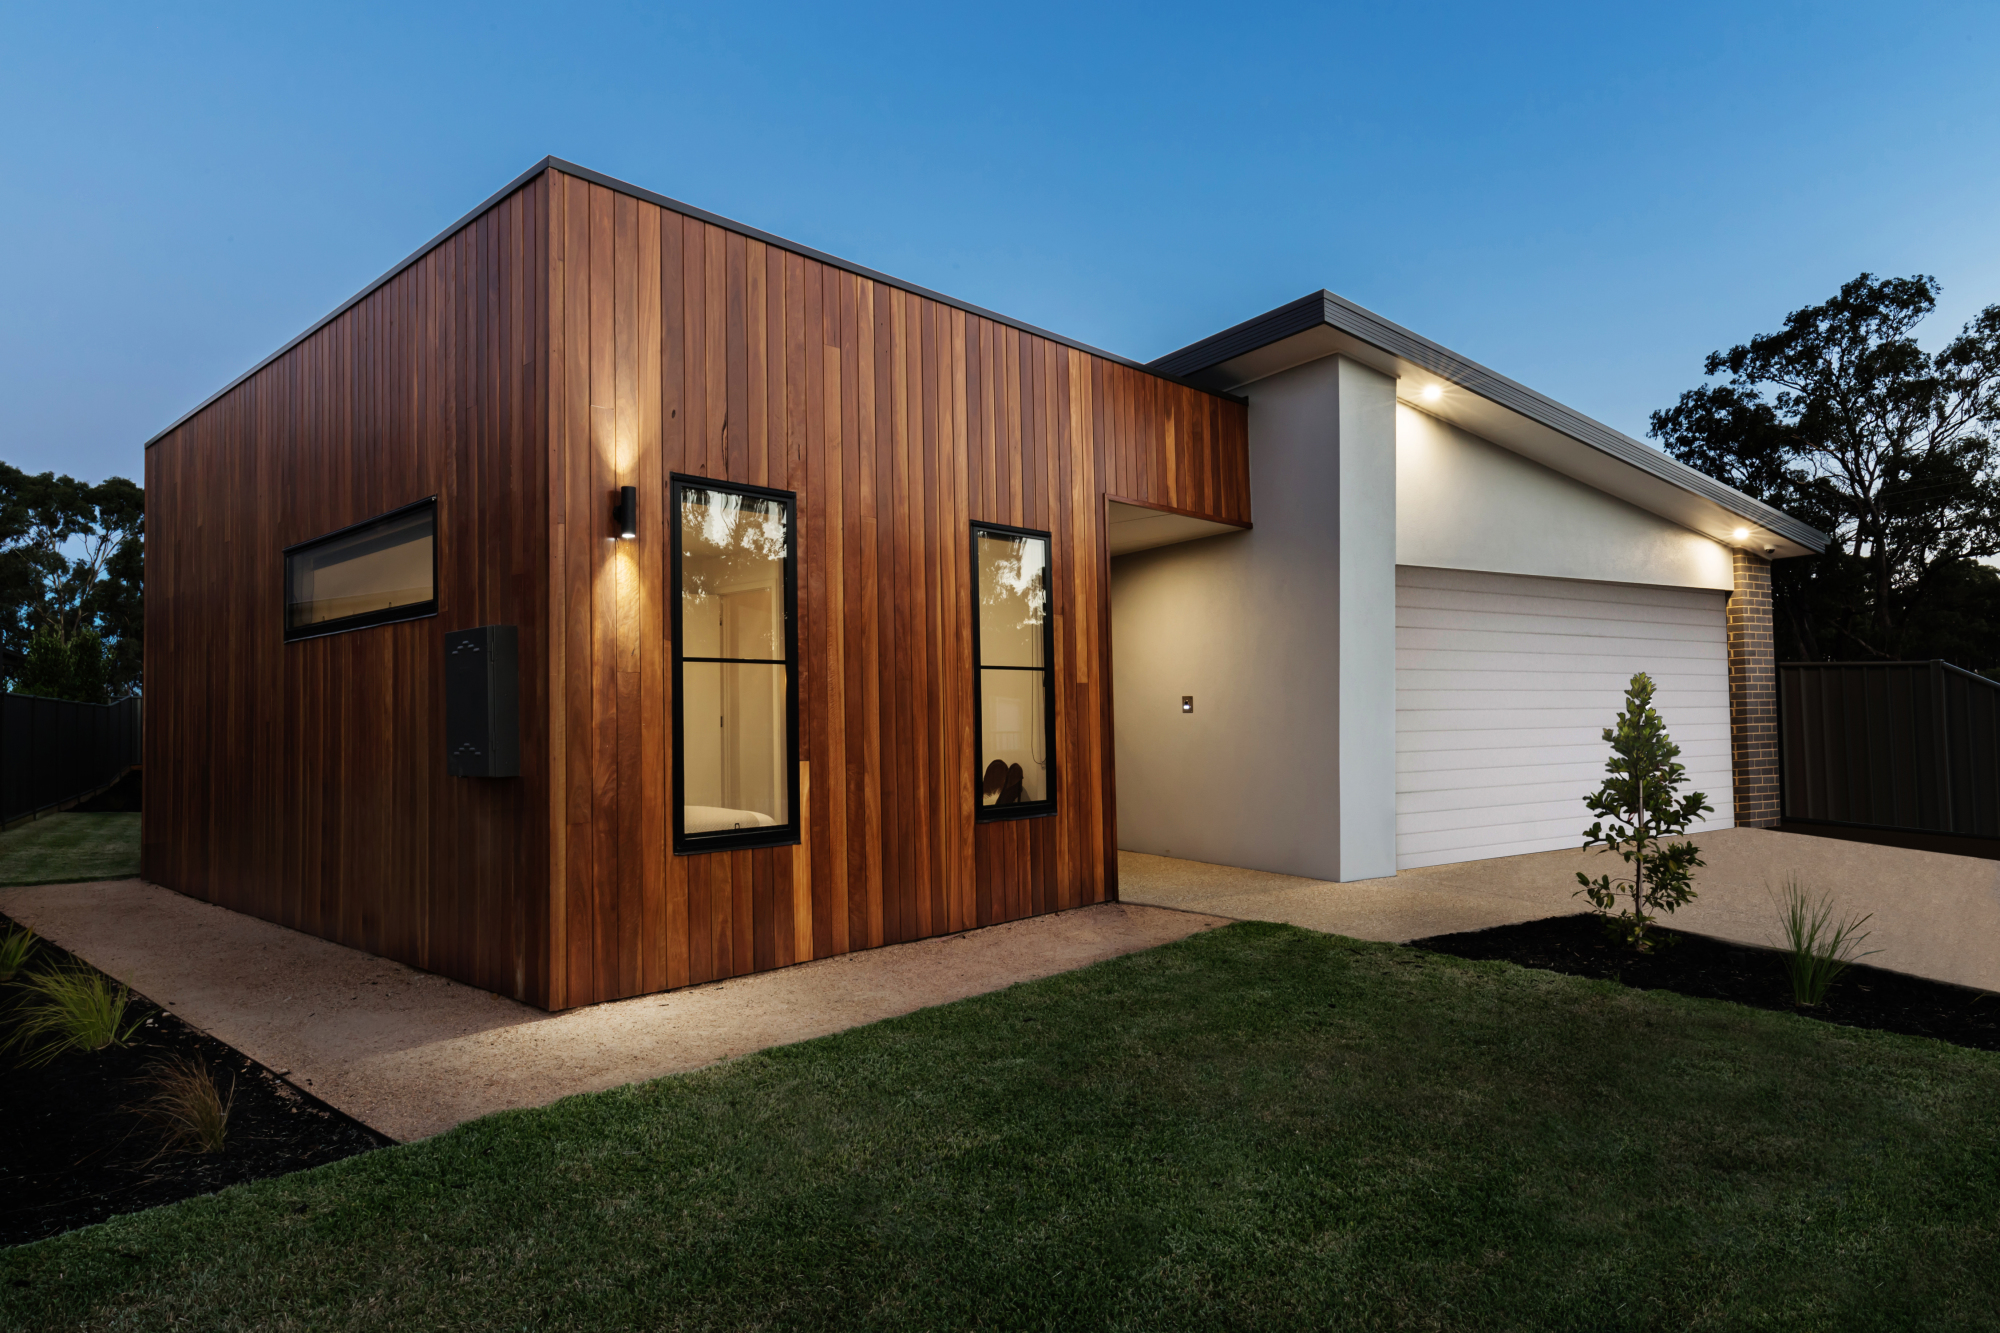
[1843, 420]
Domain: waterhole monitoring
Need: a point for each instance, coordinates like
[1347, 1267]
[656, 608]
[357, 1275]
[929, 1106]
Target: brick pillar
[1753, 694]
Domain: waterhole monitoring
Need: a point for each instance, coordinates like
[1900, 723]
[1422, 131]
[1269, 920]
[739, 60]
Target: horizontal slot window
[373, 573]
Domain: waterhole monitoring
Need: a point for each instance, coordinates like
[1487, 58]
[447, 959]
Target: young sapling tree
[1638, 808]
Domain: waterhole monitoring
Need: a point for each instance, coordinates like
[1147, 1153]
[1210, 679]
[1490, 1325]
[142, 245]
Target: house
[613, 597]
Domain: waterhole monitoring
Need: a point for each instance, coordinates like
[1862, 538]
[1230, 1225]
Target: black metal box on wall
[482, 702]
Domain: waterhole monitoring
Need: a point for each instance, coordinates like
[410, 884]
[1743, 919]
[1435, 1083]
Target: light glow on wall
[1432, 392]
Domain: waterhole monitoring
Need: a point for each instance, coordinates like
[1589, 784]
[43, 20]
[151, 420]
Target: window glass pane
[733, 746]
[376, 568]
[735, 749]
[1013, 737]
[733, 550]
[1013, 598]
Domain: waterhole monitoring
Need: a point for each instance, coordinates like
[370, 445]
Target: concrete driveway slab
[1934, 915]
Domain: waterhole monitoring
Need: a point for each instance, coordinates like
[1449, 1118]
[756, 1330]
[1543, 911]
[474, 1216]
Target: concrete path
[1934, 915]
[412, 1054]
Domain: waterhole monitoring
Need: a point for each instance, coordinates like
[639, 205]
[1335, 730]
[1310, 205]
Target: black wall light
[626, 512]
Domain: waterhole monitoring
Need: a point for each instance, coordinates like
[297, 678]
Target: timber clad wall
[304, 783]
[1753, 694]
[680, 346]
[569, 340]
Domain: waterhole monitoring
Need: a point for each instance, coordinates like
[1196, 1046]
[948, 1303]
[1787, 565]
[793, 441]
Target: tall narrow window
[1015, 686]
[735, 667]
[373, 573]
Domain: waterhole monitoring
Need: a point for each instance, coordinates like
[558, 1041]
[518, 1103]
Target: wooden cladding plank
[304, 783]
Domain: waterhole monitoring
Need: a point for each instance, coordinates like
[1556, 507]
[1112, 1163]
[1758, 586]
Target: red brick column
[1753, 694]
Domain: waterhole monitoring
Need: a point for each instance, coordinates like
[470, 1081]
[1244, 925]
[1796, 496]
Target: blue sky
[1587, 198]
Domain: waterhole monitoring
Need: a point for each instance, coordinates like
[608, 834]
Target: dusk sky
[1586, 198]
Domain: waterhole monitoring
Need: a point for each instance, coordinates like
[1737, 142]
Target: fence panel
[52, 750]
[1891, 745]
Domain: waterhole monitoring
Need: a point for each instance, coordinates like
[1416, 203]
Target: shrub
[16, 947]
[1636, 809]
[186, 1105]
[72, 1008]
[1817, 948]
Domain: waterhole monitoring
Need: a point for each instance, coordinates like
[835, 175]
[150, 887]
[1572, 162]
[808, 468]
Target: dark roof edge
[689, 210]
[1326, 307]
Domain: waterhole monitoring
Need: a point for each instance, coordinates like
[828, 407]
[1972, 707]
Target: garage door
[1504, 685]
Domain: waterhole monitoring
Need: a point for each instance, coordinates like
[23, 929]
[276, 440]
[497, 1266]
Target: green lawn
[1257, 1127]
[60, 849]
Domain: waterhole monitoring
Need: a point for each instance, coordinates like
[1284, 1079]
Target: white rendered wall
[1464, 503]
[1285, 636]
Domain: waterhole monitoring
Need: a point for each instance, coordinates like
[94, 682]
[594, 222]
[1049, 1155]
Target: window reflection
[1012, 578]
[735, 742]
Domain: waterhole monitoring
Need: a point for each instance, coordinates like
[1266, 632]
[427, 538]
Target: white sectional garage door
[1504, 685]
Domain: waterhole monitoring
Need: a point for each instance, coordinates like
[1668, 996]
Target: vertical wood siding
[566, 342]
[680, 346]
[304, 783]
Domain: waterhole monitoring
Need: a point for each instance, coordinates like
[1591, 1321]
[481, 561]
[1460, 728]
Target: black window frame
[1042, 809]
[388, 615]
[789, 833]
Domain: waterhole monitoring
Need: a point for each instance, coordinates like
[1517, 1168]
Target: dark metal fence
[1890, 745]
[52, 750]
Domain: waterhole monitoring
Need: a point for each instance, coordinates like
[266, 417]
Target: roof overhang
[1134, 525]
[1494, 408]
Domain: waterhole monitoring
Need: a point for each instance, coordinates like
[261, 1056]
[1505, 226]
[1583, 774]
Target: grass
[187, 1108]
[17, 946]
[1817, 947]
[1258, 1127]
[70, 848]
[71, 1007]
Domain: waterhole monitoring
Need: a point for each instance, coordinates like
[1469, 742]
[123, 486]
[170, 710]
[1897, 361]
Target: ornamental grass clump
[1637, 808]
[1817, 948]
[17, 946]
[71, 1008]
[187, 1107]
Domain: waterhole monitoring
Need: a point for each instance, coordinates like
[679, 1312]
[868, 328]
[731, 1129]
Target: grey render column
[1323, 460]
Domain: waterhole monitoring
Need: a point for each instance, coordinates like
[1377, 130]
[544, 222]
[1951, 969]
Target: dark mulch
[76, 1151]
[1711, 969]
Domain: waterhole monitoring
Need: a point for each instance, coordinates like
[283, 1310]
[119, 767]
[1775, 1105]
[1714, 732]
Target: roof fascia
[1324, 324]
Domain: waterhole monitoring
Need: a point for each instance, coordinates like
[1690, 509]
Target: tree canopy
[1842, 420]
[72, 568]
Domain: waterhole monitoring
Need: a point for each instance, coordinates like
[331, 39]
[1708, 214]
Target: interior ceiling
[1504, 426]
[1137, 528]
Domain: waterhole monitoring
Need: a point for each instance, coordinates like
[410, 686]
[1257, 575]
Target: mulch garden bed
[78, 1151]
[1711, 969]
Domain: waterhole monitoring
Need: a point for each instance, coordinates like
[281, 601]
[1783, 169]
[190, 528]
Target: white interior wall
[733, 717]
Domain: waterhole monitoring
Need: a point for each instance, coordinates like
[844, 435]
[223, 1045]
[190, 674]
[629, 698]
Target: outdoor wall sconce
[1187, 703]
[626, 512]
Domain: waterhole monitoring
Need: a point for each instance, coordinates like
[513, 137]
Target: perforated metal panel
[482, 697]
